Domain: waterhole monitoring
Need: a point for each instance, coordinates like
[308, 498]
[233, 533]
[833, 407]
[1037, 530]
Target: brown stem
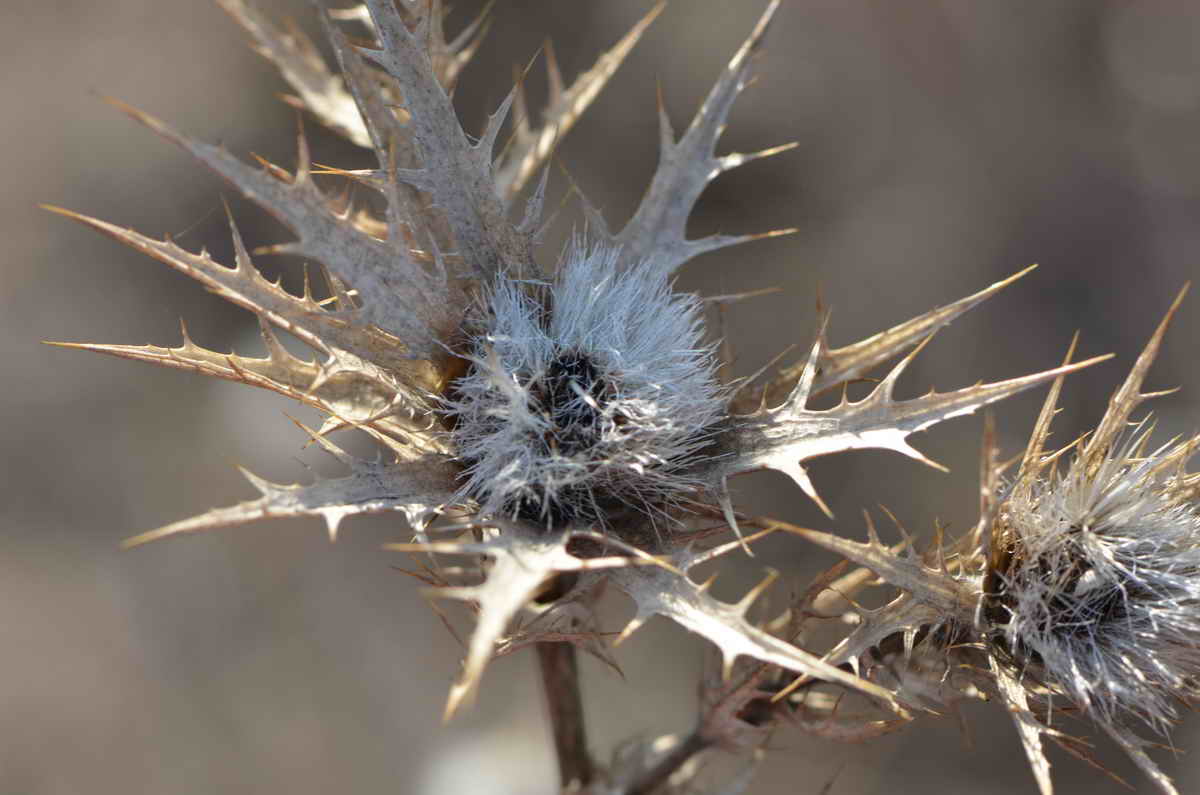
[560, 681]
[674, 759]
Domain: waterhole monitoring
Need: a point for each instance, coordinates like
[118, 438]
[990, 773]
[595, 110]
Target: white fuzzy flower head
[587, 396]
[1099, 589]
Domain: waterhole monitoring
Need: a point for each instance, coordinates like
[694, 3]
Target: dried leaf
[455, 172]
[951, 598]
[531, 149]
[784, 437]
[416, 488]
[1029, 728]
[301, 65]
[1134, 747]
[839, 365]
[401, 298]
[1129, 396]
[657, 591]
[656, 233]
[522, 561]
[354, 397]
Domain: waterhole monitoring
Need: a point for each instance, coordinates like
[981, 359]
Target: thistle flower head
[1092, 580]
[586, 396]
[1098, 588]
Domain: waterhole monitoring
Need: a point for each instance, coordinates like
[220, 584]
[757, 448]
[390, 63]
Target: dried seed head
[586, 396]
[1100, 586]
[1093, 575]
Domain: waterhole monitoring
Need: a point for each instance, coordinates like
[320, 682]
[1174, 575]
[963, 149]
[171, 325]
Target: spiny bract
[564, 428]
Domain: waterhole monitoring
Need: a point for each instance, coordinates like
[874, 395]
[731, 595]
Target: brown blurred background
[942, 146]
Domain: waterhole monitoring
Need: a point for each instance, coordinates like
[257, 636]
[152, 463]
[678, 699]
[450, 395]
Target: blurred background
[942, 146]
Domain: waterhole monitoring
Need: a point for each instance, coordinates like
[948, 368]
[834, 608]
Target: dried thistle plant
[556, 423]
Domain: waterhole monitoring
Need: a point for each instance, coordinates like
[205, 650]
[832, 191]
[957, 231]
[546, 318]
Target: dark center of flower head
[570, 395]
[1060, 595]
[1087, 603]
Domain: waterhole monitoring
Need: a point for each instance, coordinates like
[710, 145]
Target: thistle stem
[560, 681]
[671, 761]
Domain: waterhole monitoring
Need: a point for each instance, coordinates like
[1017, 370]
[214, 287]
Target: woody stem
[560, 681]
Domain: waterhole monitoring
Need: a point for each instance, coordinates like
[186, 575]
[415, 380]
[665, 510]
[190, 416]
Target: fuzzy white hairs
[587, 395]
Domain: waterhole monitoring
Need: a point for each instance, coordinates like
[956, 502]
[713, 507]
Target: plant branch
[671, 761]
[560, 681]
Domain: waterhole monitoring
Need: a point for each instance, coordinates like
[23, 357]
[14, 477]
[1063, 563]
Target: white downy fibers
[591, 392]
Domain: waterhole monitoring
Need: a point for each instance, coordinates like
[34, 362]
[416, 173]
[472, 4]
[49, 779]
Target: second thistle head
[1097, 587]
[1093, 580]
[1078, 590]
